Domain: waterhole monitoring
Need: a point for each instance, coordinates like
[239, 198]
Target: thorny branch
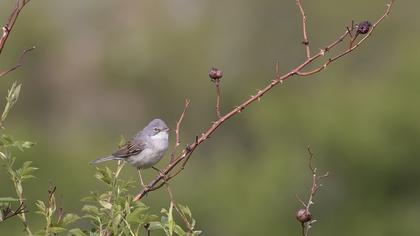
[303, 215]
[185, 154]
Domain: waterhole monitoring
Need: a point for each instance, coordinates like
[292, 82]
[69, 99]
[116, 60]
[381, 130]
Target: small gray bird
[145, 149]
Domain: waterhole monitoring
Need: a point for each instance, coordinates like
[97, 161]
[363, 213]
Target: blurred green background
[105, 68]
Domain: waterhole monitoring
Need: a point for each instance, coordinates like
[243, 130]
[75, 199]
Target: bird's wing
[129, 149]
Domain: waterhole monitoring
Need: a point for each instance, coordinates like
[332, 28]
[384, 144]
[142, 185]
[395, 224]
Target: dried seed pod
[303, 215]
[363, 27]
[215, 74]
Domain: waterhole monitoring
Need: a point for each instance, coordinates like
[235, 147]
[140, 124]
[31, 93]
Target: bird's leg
[160, 173]
[141, 180]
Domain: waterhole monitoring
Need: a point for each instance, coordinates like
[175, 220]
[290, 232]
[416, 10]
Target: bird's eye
[156, 129]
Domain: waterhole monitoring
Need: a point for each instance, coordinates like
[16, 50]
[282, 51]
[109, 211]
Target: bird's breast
[160, 141]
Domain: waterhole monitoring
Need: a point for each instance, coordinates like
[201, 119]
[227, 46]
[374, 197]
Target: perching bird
[145, 149]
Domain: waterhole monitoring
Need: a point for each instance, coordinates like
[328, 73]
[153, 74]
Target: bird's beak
[166, 129]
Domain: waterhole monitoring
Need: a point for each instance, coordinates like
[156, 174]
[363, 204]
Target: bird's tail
[102, 159]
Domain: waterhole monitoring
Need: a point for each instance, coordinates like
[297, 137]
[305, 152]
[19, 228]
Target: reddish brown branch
[305, 33]
[7, 28]
[18, 64]
[186, 153]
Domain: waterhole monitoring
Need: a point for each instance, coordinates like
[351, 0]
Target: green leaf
[91, 209]
[8, 199]
[56, 230]
[14, 93]
[185, 210]
[41, 206]
[27, 144]
[11, 99]
[3, 156]
[26, 170]
[6, 140]
[155, 225]
[179, 231]
[41, 233]
[122, 141]
[76, 232]
[106, 204]
[197, 232]
[103, 175]
[70, 218]
[135, 216]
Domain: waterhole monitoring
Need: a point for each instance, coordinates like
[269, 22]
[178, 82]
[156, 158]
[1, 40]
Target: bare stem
[217, 83]
[18, 64]
[178, 127]
[305, 34]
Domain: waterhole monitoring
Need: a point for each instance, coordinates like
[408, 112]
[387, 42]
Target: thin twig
[217, 83]
[178, 127]
[18, 64]
[305, 33]
[186, 152]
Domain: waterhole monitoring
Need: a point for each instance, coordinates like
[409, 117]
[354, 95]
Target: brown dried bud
[303, 215]
[363, 27]
[215, 74]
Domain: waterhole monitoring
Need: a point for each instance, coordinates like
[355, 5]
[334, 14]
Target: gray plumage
[145, 149]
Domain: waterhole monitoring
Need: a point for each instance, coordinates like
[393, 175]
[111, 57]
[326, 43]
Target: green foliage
[111, 213]
[19, 175]
[114, 210]
[169, 226]
[11, 100]
[54, 220]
